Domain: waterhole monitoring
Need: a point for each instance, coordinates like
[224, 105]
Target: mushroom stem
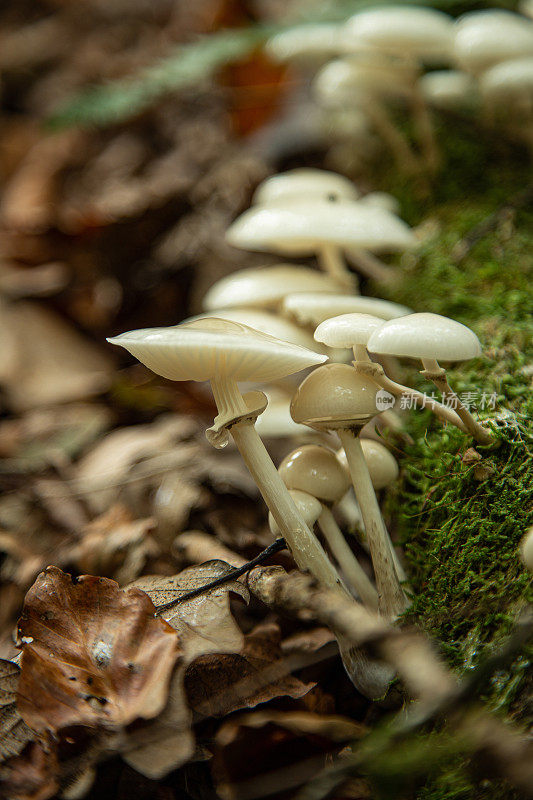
[372, 267]
[303, 544]
[346, 559]
[437, 375]
[392, 600]
[393, 138]
[425, 131]
[333, 263]
[397, 389]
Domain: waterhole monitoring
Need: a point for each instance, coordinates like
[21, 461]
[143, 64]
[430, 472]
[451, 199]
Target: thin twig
[275, 547]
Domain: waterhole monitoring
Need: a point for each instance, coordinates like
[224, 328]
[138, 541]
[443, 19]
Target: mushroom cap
[265, 287]
[265, 322]
[425, 336]
[302, 227]
[309, 507]
[310, 43]
[484, 38]
[422, 32]
[508, 80]
[448, 88]
[333, 397]
[317, 470]
[211, 348]
[304, 183]
[311, 308]
[342, 80]
[347, 330]
[382, 465]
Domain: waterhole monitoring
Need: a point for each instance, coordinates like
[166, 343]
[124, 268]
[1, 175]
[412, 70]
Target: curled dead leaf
[92, 654]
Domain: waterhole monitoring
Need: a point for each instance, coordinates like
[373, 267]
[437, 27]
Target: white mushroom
[355, 331]
[406, 31]
[367, 87]
[306, 44]
[223, 353]
[449, 89]
[432, 337]
[321, 227]
[265, 322]
[265, 287]
[312, 308]
[304, 183]
[485, 38]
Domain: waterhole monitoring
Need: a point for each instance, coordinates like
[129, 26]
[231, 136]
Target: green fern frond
[188, 65]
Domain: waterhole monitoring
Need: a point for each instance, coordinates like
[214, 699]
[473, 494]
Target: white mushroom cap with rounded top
[448, 88]
[428, 336]
[304, 226]
[215, 348]
[317, 470]
[344, 80]
[508, 80]
[308, 506]
[484, 38]
[335, 397]
[304, 183]
[311, 308]
[347, 330]
[305, 43]
[422, 32]
[265, 322]
[382, 465]
[265, 287]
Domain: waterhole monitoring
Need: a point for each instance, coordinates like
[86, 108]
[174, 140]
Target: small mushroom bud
[382, 465]
[318, 472]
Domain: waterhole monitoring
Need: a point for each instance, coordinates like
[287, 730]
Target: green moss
[461, 522]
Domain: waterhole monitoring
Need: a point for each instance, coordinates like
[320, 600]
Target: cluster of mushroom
[415, 59]
[261, 326]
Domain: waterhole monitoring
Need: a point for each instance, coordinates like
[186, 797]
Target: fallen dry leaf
[53, 363]
[219, 684]
[14, 733]
[100, 474]
[92, 654]
[157, 747]
[115, 545]
[31, 775]
[204, 623]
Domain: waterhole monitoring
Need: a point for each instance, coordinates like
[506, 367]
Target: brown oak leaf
[92, 654]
